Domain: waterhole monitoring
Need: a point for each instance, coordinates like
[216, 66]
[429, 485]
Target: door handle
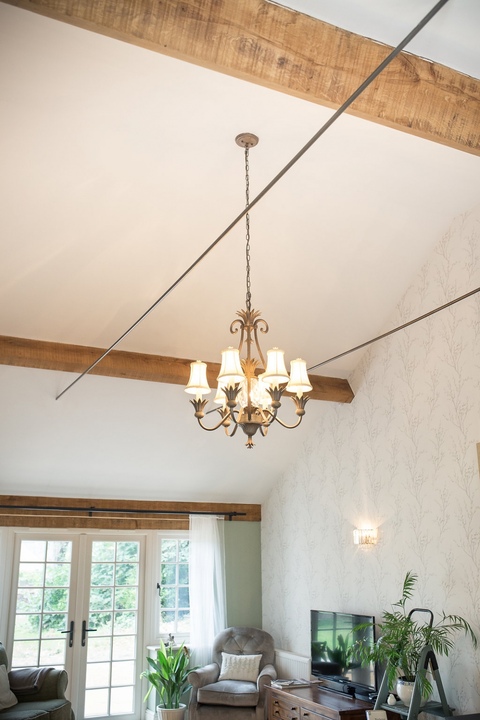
[85, 630]
[69, 633]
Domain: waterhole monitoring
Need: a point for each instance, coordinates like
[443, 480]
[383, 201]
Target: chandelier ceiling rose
[249, 389]
[246, 140]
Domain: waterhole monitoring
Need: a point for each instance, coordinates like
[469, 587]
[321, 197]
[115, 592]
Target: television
[332, 637]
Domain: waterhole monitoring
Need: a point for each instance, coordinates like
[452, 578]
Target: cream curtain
[207, 584]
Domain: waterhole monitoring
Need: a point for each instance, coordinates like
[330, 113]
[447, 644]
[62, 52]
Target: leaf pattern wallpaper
[401, 458]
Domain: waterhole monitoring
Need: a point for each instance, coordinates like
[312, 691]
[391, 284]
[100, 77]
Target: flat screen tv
[332, 636]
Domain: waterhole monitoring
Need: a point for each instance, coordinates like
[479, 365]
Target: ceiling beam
[293, 53]
[44, 355]
[35, 511]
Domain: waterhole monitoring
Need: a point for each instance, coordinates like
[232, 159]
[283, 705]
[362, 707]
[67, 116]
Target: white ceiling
[119, 168]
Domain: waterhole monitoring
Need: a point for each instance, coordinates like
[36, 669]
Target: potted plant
[167, 675]
[401, 639]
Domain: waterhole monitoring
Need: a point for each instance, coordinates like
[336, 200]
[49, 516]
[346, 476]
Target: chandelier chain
[248, 298]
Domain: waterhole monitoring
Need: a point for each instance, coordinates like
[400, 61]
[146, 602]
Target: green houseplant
[402, 637]
[168, 675]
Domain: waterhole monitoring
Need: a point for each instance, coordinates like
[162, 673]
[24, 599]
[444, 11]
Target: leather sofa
[46, 702]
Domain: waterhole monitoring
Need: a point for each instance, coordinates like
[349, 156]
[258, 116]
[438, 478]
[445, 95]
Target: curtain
[207, 585]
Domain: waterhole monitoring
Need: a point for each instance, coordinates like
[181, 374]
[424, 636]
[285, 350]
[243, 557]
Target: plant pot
[171, 713]
[405, 692]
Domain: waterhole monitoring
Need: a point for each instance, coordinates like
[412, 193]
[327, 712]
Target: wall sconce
[365, 536]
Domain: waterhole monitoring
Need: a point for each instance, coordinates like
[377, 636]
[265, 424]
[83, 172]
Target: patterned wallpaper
[402, 457]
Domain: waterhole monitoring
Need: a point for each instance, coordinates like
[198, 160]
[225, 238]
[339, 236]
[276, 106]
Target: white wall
[402, 457]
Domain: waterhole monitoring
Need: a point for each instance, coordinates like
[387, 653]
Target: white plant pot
[171, 713]
[405, 692]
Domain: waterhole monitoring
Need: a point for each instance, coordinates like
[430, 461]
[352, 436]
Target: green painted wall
[243, 573]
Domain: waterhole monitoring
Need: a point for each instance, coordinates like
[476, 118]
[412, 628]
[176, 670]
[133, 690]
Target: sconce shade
[299, 382]
[197, 383]
[231, 369]
[276, 372]
[365, 536]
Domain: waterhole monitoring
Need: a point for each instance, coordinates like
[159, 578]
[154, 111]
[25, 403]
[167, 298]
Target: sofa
[37, 693]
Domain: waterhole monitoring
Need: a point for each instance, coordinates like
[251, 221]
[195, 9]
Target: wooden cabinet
[313, 703]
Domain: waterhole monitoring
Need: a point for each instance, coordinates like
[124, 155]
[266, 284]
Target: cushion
[7, 698]
[60, 709]
[236, 693]
[18, 712]
[240, 667]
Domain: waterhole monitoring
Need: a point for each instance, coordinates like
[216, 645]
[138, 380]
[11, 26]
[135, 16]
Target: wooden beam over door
[35, 511]
[292, 53]
[135, 366]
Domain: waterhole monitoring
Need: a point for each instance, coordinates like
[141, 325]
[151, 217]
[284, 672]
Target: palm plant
[168, 674]
[402, 639]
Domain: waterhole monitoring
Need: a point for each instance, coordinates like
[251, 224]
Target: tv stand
[314, 702]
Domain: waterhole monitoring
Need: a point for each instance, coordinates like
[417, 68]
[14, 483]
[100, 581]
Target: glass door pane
[42, 603]
[113, 618]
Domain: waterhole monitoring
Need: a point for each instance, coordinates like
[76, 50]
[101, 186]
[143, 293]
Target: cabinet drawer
[284, 710]
[307, 713]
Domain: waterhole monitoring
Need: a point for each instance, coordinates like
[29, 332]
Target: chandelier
[249, 390]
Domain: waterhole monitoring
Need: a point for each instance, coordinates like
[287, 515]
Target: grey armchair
[46, 701]
[215, 698]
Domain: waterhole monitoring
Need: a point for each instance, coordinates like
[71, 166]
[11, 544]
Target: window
[173, 589]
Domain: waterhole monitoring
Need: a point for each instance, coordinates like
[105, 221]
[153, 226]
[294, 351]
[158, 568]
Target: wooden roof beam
[293, 53]
[36, 511]
[44, 355]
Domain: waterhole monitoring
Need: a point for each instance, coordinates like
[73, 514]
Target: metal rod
[400, 327]
[91, 510]
[271, 184]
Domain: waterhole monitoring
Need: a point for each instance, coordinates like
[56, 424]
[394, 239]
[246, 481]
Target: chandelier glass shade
[249, 389]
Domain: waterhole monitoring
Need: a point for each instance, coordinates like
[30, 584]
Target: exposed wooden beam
[134, 366]
[67, 515]
[293, 53]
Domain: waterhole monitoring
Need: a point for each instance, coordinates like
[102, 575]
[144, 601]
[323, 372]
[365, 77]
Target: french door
[77, 604]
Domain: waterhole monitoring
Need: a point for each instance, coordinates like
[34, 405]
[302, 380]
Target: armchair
[40, 693]
[233, 685]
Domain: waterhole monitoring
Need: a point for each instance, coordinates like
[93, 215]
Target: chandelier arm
[215, 427]
[262, 325]
[289, 427]
[235, 326]
[271, 418]
[235, 427]
[299, 403]
[231, 416]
